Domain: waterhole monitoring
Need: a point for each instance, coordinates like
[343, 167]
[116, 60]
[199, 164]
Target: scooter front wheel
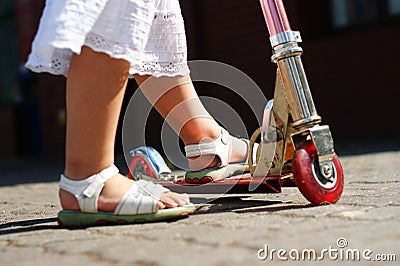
[309, 180]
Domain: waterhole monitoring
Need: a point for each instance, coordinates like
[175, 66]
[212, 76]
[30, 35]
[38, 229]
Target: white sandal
[138, 205]
[232, 153]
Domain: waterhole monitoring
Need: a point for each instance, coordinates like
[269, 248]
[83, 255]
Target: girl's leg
[177, 101]
[95, 89]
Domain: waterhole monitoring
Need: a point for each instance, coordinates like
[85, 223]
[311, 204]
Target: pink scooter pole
[286, 54]
[275, 16]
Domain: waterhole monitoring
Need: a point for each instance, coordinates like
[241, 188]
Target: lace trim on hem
[158, 74]
[42, 69]
[60, 64]
[185, 71]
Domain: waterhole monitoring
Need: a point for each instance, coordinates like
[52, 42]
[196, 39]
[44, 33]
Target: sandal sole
[214, 174]
[77, 219]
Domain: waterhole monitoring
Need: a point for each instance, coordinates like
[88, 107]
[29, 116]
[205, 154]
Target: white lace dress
[150, 34]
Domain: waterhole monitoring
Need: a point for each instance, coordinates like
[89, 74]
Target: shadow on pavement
[28, 226]
[240, 204]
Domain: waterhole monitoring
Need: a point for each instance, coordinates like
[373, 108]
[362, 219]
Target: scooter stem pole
[286, 54]
[275, 16]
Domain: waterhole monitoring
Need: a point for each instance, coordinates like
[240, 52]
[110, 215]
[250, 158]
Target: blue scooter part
[153, 159]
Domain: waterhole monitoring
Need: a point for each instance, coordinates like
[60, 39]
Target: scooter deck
[240, 184]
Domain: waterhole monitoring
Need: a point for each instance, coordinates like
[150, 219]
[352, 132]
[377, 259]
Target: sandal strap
[208, 148]
[228, 149]
[87, 191]
[141, 198]
[150, 189]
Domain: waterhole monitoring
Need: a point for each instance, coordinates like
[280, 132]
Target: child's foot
[216, 159]
[223, 150]
[114, 190]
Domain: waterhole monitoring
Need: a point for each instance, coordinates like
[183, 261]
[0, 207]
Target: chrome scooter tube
[286, 54]
[296, 86]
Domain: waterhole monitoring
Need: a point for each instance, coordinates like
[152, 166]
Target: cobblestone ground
[231, 230]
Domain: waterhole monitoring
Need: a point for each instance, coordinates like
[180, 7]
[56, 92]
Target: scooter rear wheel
[309, 180]
[139, 165]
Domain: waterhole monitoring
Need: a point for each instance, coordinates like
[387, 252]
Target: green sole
[81, 219]
[216, 173]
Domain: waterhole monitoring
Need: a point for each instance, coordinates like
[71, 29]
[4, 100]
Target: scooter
[293, 146]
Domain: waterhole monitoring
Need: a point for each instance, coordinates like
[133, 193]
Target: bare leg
[166, 94]
[95, 89]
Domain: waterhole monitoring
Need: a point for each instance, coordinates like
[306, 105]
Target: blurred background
[350, 55]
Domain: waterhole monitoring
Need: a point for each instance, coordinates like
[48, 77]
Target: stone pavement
[231, 230]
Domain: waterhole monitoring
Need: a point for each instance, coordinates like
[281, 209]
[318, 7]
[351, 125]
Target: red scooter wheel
[139, 165]
[309, 180]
